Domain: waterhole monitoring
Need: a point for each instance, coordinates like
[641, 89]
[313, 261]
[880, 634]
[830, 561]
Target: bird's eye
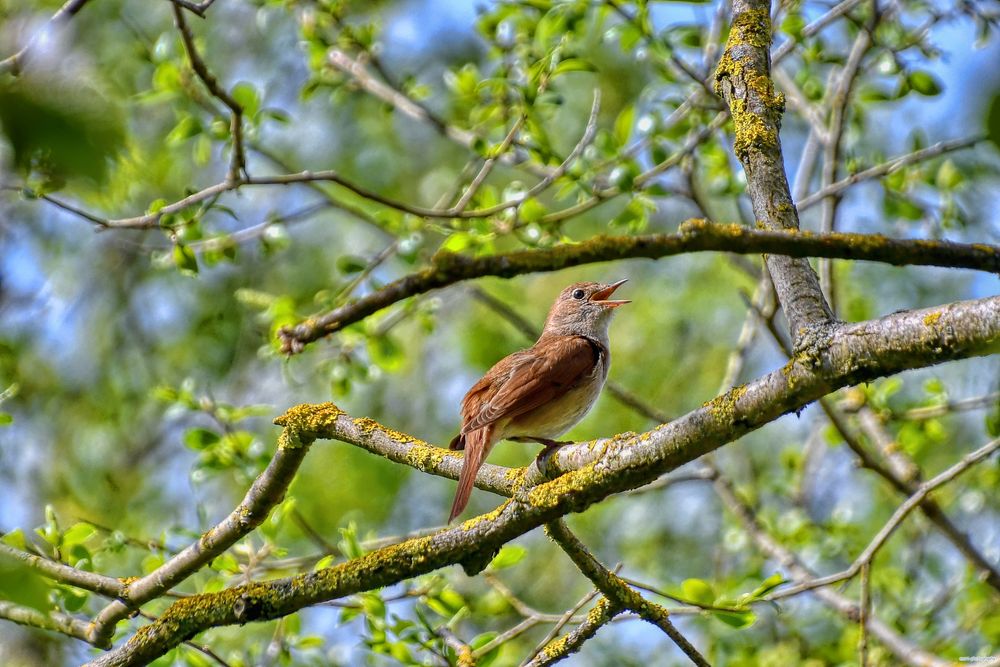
[578, 294]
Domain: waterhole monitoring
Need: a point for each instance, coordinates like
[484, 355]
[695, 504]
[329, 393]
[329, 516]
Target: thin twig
[237, 162]
[618, 591]
[892, 524]
[864, 613]
[15, 63]
[888, 167]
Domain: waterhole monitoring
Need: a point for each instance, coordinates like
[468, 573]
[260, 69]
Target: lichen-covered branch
[618, 591]
[560, 649]
[694, 236]
[301, 428]
[577, 476]
[743, 80]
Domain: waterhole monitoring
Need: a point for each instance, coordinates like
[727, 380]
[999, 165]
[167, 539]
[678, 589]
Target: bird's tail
[476, 445]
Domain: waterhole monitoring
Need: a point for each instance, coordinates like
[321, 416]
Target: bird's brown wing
[533, 377]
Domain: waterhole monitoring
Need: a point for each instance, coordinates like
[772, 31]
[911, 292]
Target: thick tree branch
[617, 591]
[589, 472]
[694, 236]
[743, 80]
[264, 494]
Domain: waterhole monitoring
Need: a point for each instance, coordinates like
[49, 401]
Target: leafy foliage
[141, 366]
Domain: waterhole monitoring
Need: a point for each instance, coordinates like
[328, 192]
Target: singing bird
[536, 395]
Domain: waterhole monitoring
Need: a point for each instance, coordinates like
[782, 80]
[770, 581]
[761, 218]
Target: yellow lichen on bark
[750, 28]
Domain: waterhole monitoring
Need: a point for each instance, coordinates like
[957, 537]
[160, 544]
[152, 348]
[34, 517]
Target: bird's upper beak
[601, 295]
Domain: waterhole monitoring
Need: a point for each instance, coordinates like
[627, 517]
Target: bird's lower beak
[601, 295]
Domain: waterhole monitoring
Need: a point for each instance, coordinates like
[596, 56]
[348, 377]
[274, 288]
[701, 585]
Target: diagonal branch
[89, 581]
[237, 162]
[743, 80]
[554, 651]
[55, 621]
[617, 591]
[589, 472]
[694, 236]
[866, 556]
[264, 494]
[888, 167]
[904, 650]
[14, 63]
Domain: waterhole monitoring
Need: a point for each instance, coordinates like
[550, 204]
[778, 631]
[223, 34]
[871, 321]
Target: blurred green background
[140, 373]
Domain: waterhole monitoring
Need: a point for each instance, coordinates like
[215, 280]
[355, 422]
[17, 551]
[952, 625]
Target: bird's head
[584, 309]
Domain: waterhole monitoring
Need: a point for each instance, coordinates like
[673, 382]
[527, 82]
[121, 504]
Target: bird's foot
[548, 443]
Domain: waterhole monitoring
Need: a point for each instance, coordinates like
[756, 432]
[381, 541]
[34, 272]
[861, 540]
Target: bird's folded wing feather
[538, 375]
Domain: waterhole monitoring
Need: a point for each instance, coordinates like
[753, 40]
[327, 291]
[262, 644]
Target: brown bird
[536, 395]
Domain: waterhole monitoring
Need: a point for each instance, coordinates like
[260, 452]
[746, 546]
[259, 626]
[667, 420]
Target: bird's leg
[548, 443]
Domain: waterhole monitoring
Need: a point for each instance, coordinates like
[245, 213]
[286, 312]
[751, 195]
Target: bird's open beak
[601, 295]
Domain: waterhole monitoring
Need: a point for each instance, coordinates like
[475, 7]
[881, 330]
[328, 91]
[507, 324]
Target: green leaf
[509, 555]
[15, 538]
[185, 259]
[6, 419]
[623, 124]
[531, 210]
[188, 127]
[736, 619]
[767, 586]
[19, 584]
[351, 264]
[247, 97]
[72, 599]
[924, 83]
[199, 439]
[698, 591]
[309, 642]
[993, 121]
[574, 65]
[78, 533]
[948, 176]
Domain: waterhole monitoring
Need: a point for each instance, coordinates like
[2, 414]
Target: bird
[537, 394]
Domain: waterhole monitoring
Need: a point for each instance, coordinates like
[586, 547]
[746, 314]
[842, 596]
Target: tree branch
[554, 651]
[15, 62]
[888, 167]
[266, 492]
[617, 591]
[743, 80]
[694, 236]
[237, 162]
[89, 581]
[589, 472]
[54, 621]
[866, 556]
[904, 650]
